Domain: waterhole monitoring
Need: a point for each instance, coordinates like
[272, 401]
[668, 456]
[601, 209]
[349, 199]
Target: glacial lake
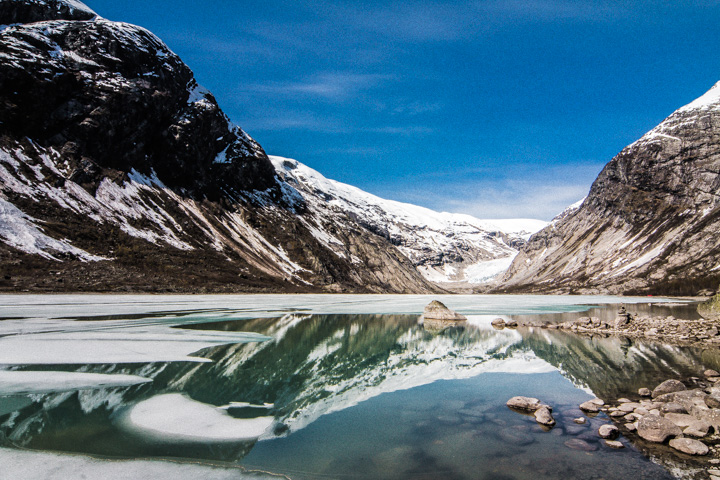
[318, 387]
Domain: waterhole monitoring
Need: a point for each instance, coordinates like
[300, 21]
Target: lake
[318, 386]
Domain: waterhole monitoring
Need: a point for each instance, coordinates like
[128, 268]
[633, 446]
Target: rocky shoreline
[675, 422]
[671, 330]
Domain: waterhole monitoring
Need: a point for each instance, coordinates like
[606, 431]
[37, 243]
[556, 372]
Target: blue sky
[496, 108]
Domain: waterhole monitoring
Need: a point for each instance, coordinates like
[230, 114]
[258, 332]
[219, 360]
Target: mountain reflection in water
[316, 365]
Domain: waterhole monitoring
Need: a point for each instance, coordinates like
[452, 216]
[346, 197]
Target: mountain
[119, 172]
[444, 247]
[650, 223]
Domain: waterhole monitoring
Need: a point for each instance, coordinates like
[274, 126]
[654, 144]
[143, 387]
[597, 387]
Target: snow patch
[18, 230]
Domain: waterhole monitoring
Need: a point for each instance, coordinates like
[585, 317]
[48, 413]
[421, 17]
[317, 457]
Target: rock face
[438, 311]
[119, 172]
[649, 223]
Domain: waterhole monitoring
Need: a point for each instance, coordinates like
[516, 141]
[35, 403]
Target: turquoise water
[340, 395]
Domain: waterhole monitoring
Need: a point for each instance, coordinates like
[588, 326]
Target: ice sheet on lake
[105, 343]
[175, 418]
[23, 382]
[30, 465]
[254, 306]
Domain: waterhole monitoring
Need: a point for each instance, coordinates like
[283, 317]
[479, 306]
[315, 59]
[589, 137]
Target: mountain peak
[711, 99]
[31, 11]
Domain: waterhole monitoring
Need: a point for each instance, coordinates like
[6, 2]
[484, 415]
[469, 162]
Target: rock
[711, 373]
[628, 407]
[644, 392]
[682, 420]
[498, 323]
[657, 429]
[712, 401]
[668, 386]
[621, 322]
[589, 407]
[641, 411]
[614, 444]
[624, 400]
[697, 428]
[544, 417]
[579, 444]
[689, 446]
[617, 413]
[511, 324]
[608, 431]
[528, 404]
[515, 437]
[438, 311]
[710, 310]
[631, 427]
[580, 420]
[672, 407]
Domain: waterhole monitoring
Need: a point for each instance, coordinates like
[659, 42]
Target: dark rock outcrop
[650, 222]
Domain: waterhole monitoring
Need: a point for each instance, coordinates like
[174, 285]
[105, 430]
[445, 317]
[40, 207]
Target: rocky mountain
[650, 223]
[444, 247]
[119, 172]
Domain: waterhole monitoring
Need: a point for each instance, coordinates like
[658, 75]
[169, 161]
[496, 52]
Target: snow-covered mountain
[650, 223]
[119, 172]
[444, 247]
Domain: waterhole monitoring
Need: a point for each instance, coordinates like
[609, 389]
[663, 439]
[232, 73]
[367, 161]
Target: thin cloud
[328, 86]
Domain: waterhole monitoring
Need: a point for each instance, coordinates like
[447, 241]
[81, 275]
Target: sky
[494, 108]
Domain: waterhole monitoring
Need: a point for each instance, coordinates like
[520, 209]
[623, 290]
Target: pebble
[614, 444]
[578, 444]
[580, 420]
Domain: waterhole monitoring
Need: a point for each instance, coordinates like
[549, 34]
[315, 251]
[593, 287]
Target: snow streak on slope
[444, 247]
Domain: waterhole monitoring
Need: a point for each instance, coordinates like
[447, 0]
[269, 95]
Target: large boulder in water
[438, 311]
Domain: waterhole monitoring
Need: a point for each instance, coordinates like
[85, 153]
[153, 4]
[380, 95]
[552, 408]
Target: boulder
[590, 406]
[657, 429]
[498, 323]
[682, 420]
[438, 311]
[673, 407]
[608, 431]
[528, 404]
[668, 386]
[689, 446]
[644, 392]
[697, 428]
[544, 417]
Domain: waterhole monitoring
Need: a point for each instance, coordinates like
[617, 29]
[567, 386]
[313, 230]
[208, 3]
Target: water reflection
[321, 364]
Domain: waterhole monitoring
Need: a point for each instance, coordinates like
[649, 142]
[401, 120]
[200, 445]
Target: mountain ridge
[649, 223]
[118, 172]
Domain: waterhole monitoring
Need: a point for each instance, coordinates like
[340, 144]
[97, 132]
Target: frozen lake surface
[315, 386]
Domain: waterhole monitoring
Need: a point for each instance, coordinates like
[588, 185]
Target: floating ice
[175, 418]
[30, 465]
[14, 383]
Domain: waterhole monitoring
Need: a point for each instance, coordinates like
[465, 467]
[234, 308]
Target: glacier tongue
[444, 247]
